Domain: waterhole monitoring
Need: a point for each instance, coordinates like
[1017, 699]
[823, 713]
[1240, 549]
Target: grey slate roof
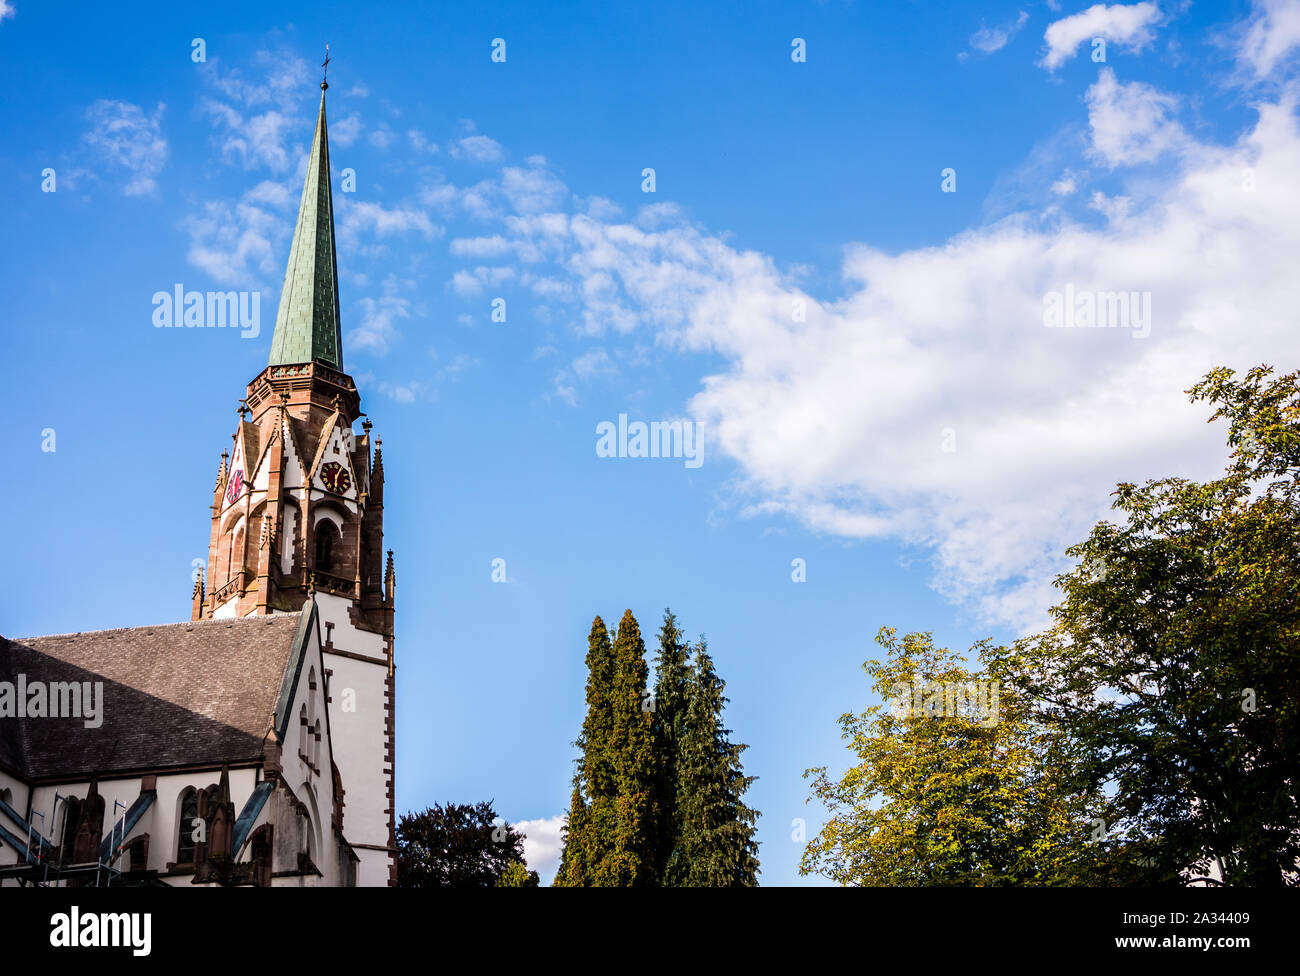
[174, 695]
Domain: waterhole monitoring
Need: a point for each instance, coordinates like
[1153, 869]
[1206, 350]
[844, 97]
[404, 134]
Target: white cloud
[419, 143]
[345, 131]
[238, 245]
[1129, 26]
[285, 80]
[1066, 185]
[594, 362]
[6, 10]
[383, 137]
[258, 140]
[127, 139]
[600, 208]
[377, 329]
[1131, 123]
[442, 196]
[403, 392]
[839, 419]
[480, 247]
[478, 149]
[990, 39]
[469, 283]
[358, 217]
[271, 193]
[1273, 32]
[253, 121]
[531, 190]
[542, 845]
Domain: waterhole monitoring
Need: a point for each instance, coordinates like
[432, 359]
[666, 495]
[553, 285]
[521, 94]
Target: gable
[242, 459]
[332, 470]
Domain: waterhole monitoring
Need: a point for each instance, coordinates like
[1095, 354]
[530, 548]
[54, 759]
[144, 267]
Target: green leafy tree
[1174, 660]
[456, 845]
[714, 844]
[950, 784]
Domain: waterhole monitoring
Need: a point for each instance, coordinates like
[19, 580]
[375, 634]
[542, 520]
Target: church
[253, 744]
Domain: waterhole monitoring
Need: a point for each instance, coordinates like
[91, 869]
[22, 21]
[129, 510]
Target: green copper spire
[307, 325]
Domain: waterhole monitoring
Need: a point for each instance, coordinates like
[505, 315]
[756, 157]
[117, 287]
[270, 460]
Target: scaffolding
[43, 869]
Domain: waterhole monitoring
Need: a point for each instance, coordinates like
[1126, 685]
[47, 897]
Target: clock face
[234, 486]
[336, 477]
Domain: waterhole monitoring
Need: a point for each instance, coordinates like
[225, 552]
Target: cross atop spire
[307, 327]
[324, 78]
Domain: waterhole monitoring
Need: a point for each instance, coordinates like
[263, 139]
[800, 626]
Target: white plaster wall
[359, 737]
[288, 536]
[293, 464]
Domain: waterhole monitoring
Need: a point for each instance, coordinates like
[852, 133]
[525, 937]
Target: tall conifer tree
[672, 695]
[573, 865]
[584, 846]
[716, 846]
[609, 839]
[632, 759]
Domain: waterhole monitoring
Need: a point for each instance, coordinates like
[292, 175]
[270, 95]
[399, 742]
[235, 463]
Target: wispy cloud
[254, 121]
[476, 148]
[1272, 33]
[127, 140]
[990, 39]
[239, 244]
[376, 330]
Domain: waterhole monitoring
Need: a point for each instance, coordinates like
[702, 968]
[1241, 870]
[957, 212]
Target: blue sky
[913, 432]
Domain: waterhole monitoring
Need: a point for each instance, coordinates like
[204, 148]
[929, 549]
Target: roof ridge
[326, 432]
[187, 624]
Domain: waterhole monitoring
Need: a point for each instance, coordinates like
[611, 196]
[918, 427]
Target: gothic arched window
[71, 818]
[90, 828]
[304, 737]
[237, 551]
[327, 539]
[189, 815]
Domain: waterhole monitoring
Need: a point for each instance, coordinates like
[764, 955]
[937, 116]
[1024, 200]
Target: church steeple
[298, 522]
[307, 327]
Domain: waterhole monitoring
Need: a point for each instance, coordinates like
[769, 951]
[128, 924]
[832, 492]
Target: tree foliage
[1160, 712]
[657, 791]
[947, 793]
[714, 844]
[672, 697]
[457, 845]
[609, 839]
[1174, 660]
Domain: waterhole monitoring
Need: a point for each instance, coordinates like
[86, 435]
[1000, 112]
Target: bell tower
[298, 515]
